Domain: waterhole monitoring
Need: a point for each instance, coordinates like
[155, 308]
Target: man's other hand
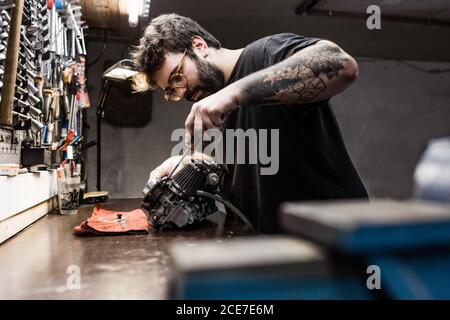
[166, 168]
[210, 112]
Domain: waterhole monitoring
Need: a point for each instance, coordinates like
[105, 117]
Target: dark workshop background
[386, 116]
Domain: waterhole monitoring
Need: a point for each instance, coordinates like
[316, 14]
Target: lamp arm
[100, 110]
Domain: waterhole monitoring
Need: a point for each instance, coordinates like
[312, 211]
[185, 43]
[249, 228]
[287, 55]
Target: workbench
[39, 261]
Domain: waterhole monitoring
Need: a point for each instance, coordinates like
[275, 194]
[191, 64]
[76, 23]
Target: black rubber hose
[226, 204]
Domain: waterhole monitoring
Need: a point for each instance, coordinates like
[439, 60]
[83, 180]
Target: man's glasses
[176, 80]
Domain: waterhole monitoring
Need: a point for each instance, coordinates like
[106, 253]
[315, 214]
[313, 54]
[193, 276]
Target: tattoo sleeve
[301, 78]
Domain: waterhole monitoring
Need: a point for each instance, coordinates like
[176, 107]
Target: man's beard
[210, 79]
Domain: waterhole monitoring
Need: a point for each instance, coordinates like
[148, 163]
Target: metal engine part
[174, 202]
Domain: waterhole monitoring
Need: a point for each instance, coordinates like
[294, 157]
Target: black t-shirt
[313, 161]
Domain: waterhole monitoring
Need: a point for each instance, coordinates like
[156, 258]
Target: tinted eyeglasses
[176, 80]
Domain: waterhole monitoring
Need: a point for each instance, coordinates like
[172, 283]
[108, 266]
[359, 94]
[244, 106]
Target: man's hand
[210, 112]
[166, 168]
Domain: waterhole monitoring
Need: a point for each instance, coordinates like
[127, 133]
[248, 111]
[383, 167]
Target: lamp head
[120, 71]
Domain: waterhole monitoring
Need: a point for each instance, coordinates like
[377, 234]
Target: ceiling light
[134, 11]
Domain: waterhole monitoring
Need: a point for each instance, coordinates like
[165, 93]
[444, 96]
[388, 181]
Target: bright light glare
[134, 11]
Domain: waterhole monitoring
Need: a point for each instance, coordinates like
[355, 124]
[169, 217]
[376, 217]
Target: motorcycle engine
[173, 202]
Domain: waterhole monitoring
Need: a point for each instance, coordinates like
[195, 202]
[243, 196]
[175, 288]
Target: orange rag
[105, 222]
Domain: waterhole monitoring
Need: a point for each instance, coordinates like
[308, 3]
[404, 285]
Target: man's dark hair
[165, 33]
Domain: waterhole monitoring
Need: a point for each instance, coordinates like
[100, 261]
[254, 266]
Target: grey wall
[386, 118]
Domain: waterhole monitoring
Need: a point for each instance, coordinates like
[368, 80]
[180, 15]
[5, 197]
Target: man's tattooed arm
[313, 74]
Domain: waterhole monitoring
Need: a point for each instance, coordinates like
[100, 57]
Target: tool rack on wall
[42, 79]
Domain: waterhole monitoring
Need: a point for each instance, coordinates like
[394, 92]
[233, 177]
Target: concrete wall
[386, 118]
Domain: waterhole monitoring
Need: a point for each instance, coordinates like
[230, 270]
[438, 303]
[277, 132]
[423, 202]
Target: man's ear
[200, 46]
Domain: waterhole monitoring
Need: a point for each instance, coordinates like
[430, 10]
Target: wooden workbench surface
[40, 261]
